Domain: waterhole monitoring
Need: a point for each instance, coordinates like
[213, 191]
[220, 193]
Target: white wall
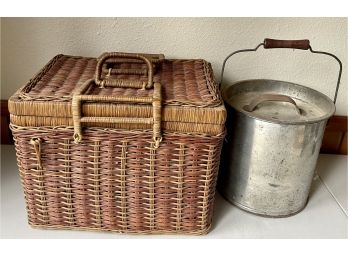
[28, 43]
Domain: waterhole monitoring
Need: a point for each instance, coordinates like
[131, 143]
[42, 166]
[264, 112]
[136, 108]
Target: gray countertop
[326, 215]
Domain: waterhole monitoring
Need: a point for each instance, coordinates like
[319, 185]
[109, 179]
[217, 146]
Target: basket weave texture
[146, 163]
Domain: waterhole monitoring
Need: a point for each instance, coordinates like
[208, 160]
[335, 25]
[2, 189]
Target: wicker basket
[128, 143]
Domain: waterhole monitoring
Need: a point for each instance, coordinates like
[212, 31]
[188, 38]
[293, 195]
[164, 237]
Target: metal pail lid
[278, 101]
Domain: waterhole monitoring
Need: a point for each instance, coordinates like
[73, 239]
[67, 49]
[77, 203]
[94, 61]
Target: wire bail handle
[292, 44]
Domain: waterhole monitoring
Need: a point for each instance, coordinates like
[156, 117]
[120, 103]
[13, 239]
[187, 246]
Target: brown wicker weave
[128, 143]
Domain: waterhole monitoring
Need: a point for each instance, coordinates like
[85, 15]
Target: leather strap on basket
[79, 97]
[115, 57]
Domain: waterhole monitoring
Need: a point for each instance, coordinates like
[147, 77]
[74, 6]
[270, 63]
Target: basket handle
[79, 97]
[154, 59]
[293, 44]
[270, 98]
[124, 82]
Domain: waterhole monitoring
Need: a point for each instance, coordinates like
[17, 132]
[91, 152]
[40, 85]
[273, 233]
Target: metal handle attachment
[270, 97]
[293, 44]
[79, 97]
[114, 56]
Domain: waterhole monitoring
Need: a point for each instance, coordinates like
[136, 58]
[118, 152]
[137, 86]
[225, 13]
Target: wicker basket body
[119, 157]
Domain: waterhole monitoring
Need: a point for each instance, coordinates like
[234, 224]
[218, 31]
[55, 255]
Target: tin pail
[274, 134]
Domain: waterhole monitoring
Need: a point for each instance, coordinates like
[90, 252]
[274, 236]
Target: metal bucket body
[268, 162]
[268, 168]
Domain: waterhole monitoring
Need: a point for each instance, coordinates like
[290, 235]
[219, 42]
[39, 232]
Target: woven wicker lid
[189, 93]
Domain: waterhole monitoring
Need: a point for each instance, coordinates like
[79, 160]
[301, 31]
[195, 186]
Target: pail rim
[312, 105]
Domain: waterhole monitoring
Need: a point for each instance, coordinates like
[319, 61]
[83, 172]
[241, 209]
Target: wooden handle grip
[294, 44]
